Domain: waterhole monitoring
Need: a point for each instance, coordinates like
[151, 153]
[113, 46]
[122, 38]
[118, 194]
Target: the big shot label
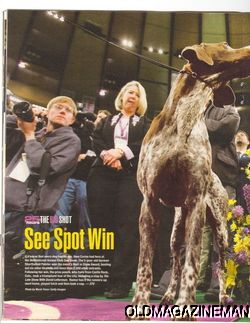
[60, 239]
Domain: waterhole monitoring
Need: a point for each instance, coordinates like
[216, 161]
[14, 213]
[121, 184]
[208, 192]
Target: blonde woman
[113, 194]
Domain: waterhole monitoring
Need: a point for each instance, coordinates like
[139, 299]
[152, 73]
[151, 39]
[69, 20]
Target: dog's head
[212, 54]
[207, 59]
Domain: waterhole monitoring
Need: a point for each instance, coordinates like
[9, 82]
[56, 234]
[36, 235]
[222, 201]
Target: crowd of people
[84, 165]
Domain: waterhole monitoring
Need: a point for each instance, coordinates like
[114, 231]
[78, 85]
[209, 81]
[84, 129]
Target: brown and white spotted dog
[175, 169]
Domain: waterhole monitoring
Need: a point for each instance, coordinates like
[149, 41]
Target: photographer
[75, 193]
[35, 183]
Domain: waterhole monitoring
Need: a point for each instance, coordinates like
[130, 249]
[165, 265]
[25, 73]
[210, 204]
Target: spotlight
[125, 42]
[102, 92]
[55, 15]
[160, 51]
[150, 49]
[22, 64]
[130, 43]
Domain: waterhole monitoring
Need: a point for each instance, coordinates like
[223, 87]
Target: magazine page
[126, 149]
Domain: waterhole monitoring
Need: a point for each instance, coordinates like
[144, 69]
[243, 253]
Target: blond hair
[142, 107]
[104, 111]
[63, 99]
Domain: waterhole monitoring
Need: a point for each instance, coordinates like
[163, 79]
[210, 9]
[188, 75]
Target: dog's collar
[196, 76]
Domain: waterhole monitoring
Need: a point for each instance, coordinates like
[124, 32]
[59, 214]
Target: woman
[113, 194]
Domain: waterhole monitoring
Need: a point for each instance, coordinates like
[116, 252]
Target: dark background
[63, 59]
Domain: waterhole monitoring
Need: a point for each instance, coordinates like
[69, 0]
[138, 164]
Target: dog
[175, 170]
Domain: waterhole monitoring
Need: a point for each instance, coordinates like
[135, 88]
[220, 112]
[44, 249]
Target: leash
[147, 59]
[91, 33]
[197, 77]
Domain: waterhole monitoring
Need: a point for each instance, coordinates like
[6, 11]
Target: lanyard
[123, 127]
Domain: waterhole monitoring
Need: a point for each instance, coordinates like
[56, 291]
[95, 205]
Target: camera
[23, 110]
[81, 116]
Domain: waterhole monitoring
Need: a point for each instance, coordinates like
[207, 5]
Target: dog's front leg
[177, 241]
[148, 227]
[194, 225]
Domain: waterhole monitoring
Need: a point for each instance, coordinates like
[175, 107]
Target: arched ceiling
[61, 57]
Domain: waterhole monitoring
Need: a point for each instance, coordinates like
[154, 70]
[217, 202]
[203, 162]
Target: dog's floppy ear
[224, 95]
[196, 52]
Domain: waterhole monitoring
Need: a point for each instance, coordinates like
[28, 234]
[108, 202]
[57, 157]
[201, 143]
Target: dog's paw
[167, 300]
[226, 300]
[184, 313]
